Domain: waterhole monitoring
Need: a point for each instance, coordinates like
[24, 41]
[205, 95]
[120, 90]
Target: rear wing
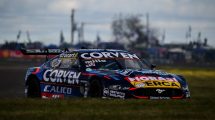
[44, 51]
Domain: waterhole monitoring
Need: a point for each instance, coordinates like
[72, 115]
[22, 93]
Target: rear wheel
[33, 89]
[96, 88]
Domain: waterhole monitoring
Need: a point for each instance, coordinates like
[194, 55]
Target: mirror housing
[153, 66]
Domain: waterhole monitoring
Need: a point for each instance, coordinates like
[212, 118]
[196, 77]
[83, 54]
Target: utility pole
[147, 28]
[147, 22]
[73, 26]
[188, 34]
[163, 36]
[61, 38]
[81, 32]
[17, 39]
[28, 36]
[199, 41]
[18, 36]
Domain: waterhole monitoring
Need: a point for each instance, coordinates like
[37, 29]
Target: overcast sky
[44, 19]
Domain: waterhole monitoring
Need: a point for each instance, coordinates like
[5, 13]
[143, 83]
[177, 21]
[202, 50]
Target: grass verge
[200, 106]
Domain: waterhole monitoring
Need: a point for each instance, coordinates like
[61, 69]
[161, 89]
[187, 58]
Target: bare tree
[130, 29]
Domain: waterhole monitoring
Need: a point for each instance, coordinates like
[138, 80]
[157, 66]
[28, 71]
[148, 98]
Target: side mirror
[153, 66]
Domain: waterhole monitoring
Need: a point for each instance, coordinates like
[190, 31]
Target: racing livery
[101, 73]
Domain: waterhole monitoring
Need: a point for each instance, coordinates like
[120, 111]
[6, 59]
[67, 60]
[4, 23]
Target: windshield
[111, 60]
[112, 63]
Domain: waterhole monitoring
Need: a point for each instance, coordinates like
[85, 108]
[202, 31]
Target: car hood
[144, 78]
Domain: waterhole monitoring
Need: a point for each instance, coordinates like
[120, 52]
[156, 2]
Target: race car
[102, 73]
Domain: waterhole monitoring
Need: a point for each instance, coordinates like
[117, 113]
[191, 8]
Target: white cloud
[62, 6]
[196, 8]
[45, 18]
[173, 24]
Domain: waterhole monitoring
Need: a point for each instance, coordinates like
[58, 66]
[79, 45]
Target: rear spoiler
[44, 51]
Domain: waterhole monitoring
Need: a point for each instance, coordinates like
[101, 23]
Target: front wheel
[96, 89]
[33, 89]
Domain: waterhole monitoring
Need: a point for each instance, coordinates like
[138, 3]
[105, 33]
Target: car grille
[159, 92]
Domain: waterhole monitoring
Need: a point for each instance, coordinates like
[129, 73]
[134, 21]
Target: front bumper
[157, 93]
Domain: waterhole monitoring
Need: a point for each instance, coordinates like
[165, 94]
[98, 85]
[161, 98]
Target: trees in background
[131, 31]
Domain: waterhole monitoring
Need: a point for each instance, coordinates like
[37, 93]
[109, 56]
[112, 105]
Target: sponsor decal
[113, 93]
[156, 84]
[73, 55]
[148, 78]
[61, 76]
[51, 95]
[117, 94]
[125, 88]
[89, 69]
[139, 85]
[57, 89]
[55, 63]
[187, 94]
[160, 90]
[125, 72]
[106, 92]
[153, 82]
[92, 62]
[153, 97]
[98, 55]
[115, 87]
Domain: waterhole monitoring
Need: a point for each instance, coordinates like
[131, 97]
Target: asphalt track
[12, 73]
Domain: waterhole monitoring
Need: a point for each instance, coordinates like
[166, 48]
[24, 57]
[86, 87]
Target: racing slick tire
[33, 89]
[96, 89]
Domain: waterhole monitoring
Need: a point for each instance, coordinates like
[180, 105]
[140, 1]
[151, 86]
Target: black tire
[33, 88]
[96, 89]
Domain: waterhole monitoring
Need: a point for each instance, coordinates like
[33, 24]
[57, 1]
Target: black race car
[100, 73]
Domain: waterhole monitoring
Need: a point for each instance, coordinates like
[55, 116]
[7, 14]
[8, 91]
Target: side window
[66, 61]
[55, 62]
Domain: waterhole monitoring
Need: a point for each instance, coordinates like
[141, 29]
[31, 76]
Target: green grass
[200, 106]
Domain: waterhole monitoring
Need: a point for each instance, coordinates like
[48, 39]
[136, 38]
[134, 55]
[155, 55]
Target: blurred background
[165, 32]
[176, 35]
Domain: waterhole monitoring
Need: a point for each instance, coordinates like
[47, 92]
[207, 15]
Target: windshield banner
[98, 55]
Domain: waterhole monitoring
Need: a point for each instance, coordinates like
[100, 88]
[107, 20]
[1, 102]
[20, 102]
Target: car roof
[98, 50]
